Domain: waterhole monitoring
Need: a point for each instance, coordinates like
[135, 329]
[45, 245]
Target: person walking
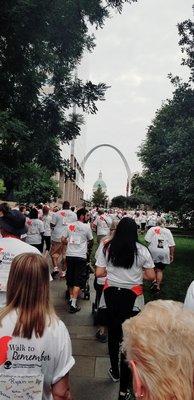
[79, 239]
[162, 248]
[35, 344]
[60, 219]
[102, 225]
[35, 230]
[12, 229]
[124, 262]
[46, 219]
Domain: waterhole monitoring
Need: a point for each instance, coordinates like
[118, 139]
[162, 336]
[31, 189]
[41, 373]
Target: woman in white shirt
[35, 344]
[124, 262]
[35, 230]
[46, 219]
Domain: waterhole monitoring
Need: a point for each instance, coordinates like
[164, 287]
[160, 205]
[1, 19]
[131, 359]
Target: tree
[35, 185]
[186, 32]
[41, 44]
[119, 201]
[168, 152]
[138, 190]
[2, 187]
[99, 198]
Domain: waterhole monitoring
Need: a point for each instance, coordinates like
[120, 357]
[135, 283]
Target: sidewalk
[89, 378]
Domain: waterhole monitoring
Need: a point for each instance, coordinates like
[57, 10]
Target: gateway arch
[122, 157]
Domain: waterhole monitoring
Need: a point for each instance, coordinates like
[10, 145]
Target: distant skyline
[134, 53]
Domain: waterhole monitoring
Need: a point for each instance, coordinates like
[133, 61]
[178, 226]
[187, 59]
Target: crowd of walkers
[150, 346]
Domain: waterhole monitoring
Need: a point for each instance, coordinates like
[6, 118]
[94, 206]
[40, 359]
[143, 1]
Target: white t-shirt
[49, 356]
[35, 229]
[160, 239]
[143, 219]
[10, 248]
[77, 235]
[189, 299]
[121, 277]
[151, 220]
[103, 224]
[60, 219]
[101, 280]
[47, 224]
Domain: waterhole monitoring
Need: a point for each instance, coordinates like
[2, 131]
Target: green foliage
[41, 44]
[99, 198]
[119, 201]
[186, 32]
[138, 190]
[168, 153]
[2, 187]
[126, 202]
[35, 185]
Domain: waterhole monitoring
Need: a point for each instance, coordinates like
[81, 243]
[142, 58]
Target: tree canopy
[41, 43]
[167, 154]
[99, 198]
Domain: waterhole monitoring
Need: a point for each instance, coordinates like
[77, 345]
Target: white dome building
[100, 183]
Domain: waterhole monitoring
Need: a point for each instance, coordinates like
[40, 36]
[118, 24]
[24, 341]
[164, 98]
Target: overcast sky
[134, 53]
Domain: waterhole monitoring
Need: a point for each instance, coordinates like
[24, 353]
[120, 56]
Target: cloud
[131, 78]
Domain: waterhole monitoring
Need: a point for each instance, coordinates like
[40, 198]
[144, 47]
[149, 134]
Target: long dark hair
[122, 247]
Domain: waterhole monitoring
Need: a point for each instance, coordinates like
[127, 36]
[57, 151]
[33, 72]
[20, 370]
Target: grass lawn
[178, 275]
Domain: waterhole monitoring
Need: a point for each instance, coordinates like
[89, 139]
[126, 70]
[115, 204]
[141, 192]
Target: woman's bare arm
[61, 389]
[100, 272]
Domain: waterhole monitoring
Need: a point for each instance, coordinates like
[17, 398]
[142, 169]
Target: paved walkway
[89, 378]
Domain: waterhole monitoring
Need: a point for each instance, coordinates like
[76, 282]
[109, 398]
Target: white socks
[73, 302]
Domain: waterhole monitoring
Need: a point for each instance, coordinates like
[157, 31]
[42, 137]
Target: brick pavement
[89, 378]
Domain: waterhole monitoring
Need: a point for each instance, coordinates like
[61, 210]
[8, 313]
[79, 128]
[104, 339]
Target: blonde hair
[160, 340]
[28, 293]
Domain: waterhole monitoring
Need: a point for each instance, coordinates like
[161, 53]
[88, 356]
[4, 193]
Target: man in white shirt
[79, 239]
[162, 248]
[12, 228]
[102, 225]
[60, 219]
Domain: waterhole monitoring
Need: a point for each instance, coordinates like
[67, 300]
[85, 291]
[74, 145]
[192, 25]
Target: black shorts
[160, 266]
[76, 273]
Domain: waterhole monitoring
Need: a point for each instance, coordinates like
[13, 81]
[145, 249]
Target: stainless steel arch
[122, 157]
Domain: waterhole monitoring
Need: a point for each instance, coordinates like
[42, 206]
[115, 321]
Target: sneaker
[101, 337]
[55, 274]
[62, 275]
[153, 285]
[127, 396]
[73, 310]
[114, 377]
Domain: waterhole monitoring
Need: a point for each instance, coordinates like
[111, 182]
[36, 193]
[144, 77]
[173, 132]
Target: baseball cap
[14, 222]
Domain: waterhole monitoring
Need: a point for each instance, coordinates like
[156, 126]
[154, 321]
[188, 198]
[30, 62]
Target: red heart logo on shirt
[72, 228]
[29, 222]
[157, 231]
[62, 213]
[4, 348]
